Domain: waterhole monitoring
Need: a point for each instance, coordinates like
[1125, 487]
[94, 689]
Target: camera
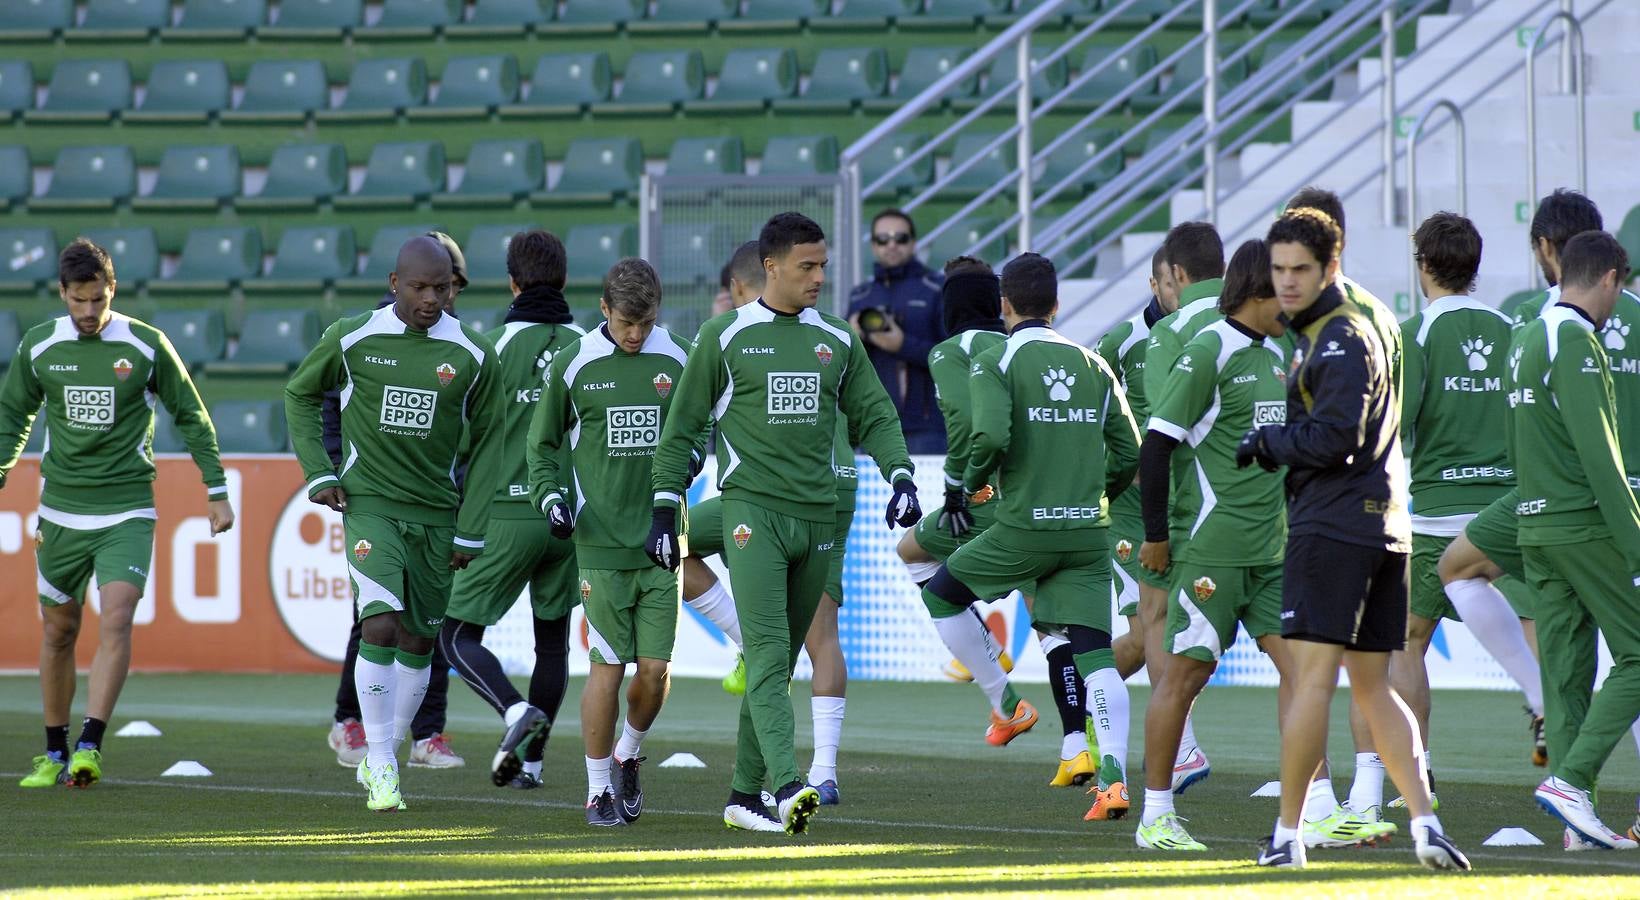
[873, 319]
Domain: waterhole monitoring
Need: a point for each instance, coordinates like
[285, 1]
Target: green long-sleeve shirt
[408, 399]
[949, 363]
[775, 383]
[1052, 432]
[99, 393]
[524, 351]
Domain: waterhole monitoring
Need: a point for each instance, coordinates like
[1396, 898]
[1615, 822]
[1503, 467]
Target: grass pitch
[928, 808]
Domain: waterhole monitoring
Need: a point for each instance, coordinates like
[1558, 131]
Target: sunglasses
[883, 240]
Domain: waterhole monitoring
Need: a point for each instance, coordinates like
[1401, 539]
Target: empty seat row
[242, 426]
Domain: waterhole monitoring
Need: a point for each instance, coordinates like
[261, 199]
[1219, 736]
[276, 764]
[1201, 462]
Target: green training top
[1565, 438]
[99, 393]
[1198, 308]
[408, 399]
[523, 351]
[842, 465]
[1052, 432]
[1125, 349]
[608, 408]
[949, 363]
[1224, 384]
[776, 383]
[1453, 362]
[1383, 322]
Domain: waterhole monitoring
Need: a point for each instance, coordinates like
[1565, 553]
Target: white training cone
[683, 761]
[138, 728]
[1512, 837]
[1269, 789]
[187, 768]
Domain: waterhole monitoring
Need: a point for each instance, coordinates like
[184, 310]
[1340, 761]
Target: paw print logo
[1514, 362]
[1475, 352]
[1059, 384]
[1617, 334]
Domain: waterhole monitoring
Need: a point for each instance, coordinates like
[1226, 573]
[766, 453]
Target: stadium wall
[272, 595]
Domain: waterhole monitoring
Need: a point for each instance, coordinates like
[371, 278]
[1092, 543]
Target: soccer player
[1452, 402]
[1579, 528]
[1039, 400]
[98, 374]
[522, 552]
[1344, 577]
[606, 404]
[1226, 381]
[776, 374]
[416, 383]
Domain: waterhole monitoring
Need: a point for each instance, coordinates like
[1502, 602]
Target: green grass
[929, 809]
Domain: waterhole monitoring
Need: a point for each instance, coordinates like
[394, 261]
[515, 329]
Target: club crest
[1124, 550]
[361, 550]
[446, 374]
[663, 385]
[1204, 588]
[742, 535]
[823, 351]
[122, 368]
[586, 591]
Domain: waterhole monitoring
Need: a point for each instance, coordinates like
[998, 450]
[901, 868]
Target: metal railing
[1414, 289]
[1569, 69]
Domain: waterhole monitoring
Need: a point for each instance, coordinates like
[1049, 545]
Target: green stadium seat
[315, 18]
[200, 336]
[1508, 307]
[134, 251]
[750, 78]
[282, 90]
[213, 257]
[399, 174]
[706, 156]
[1312, 86]
[868, 15]
[686, 15]
[16, 176]
[28, 257]
[1267, 13]
[384, 253]
[85, 90]
[565, 84]
[956, 241]
[184, 91]
[418, 15]
[600, 15]
[28, 20]
[592, 249]
[1144, 12]
[778, 14]
[486, 252]
[482, 319]
[842, 78]
[308, 258]
[1116, 76]
[300, 176]
[694, 251]
[381, 88]
[1064, 160]
[657, 81]
[950, 13]
[249, 426]
[498, 173]
[106, 18]
[1185, 164]
[225, 17]
[1045, 80]
[596, 168]
[11, 334]
[800, 155]
[879, 159]
[924, 66]
[89, 178]
[1185, 72]
[474, 85]
[16, 88]
[509, 13]
[280, 337]
[194, 178]
[993, 166]
[166, 437]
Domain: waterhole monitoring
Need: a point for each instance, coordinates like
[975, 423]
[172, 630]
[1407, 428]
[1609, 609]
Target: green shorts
[1522, 599]
[1164, 581]
[938, 542]
[839, 545]
[704, 522]
[518, 553]
[1068, 572]
[66, 558]
[1126, 534]
[631, 613]
[1428, 597]
[1493, 532]
[1206, 603]
[401, 567]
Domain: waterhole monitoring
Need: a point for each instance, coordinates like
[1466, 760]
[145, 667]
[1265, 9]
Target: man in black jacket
[897, 315]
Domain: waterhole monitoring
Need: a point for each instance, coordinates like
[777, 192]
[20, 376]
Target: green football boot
[1167, 833]
[735, 681]
[48, 772]
[85, 767]
[383, 785]
[1345, 828]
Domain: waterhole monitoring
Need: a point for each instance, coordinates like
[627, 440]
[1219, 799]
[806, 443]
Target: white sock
[1321, 801]
[1367, 790]
[409, 686]
[1283, 834]
[1635, 731]
[533, 768]
[514, 713]
[1487, 614]
[1187, 740]
[373, 684]
[922, 571]
[597, 777]
[828, 733]
[1107, 692]
[1074, 743]
[970, 642]
[631, 742]
[1428, 821]
[719, 609]
[1157, 804]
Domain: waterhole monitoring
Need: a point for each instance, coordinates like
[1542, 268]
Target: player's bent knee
[945, 596]
[61, 635]
[1419, 632]
[910, 551]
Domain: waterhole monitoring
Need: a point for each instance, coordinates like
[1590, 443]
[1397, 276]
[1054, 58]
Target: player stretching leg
[522, 551]
[776, 374]
[417, 384]
[1227, 380]
[98, 374]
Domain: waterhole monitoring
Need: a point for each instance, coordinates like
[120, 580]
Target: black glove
[1252, 449]
[662, 543]
[955, 517]
[903, 509]
[562, 522]
[697, 461]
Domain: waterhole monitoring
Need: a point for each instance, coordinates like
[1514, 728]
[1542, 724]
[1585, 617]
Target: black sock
[91, 734]
[752, 802]
[923, 583]
[1067, 688]
[787, 790]
[549, 680]
[1430, 774]
[57, 740]
[463, 644]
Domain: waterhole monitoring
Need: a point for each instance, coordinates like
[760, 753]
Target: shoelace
[439, 744]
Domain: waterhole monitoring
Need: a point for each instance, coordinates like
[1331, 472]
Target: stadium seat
[282, 90]
[498, 173]
[89, 178]
[565, 84]
[16, 176]
[1267, 13]
[1144, 12]
[993, 166]
[249, 426]
[226, 17]
[879, 159]
[706, 156]
[657, 81]
[750, 78]
[868, 15]
[952, 13]
[31, 20]
[486, 252]
[109, 18]
[1045, 80]
[1512, 302]
[16, 88]
[85, 90]
[315, 18]
[135, 252]
[596, 168]
[384, 252]
[778, 14]
[508, 13]
[1187, 70]
[800, 155]
[599, 15]
[308, 258]
[166, 437]
[694, 251]
[1311, 86]
[200, 336]
[482, 319]
[1186, 163]
[279, 337]
[956, 240]
[29, 256]
[194, 178]
[686, 15]
[592, 249]
[924, 66]
[1116, 76]
[381, 88]
[418, 15]
[399, 174]
[184, 91]
[300, 176]
[474, 85]
[842, 78]
[1064, 160]
[215, 257]
[11, 335]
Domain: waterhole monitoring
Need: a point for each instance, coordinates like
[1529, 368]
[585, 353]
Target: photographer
[897, 314]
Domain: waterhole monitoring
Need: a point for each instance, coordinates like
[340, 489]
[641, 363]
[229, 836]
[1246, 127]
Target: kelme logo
[742, 535]
[122, 368]
[446, 374]
[663, 385]
[361, 550]
[1204, 588]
